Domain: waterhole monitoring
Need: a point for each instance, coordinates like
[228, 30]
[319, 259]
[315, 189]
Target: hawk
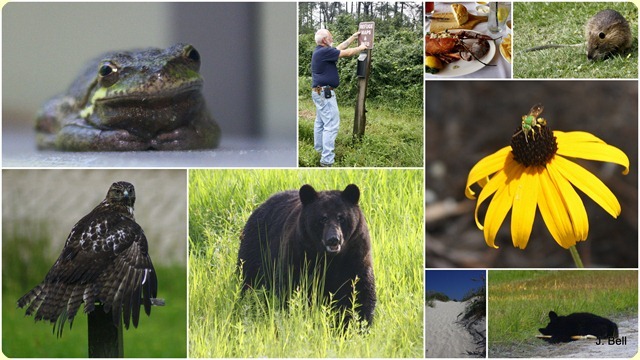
[105, 259]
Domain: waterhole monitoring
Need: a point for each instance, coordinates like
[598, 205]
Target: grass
[25, 264]
[393, 138]
[520, 301]
[538, 23]
[223, 323]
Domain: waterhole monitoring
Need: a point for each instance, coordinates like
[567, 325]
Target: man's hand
[355, 35]
[352, 51]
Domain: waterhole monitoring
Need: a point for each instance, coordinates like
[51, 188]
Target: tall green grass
[224, 323]
[520, 301]
[393, 138]
[26, 259]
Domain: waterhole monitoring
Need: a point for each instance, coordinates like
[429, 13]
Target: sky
[454, 283]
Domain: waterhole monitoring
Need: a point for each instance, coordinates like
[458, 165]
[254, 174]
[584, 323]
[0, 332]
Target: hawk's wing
[105, 258]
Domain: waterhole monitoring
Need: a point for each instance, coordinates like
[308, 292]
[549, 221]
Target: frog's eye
[108, 74]
[192, 54]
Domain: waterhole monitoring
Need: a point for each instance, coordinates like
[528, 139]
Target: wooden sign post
[364, 68]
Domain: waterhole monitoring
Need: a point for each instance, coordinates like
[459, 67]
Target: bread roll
[460, 13]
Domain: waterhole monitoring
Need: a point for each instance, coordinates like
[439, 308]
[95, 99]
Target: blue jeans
[325, 129]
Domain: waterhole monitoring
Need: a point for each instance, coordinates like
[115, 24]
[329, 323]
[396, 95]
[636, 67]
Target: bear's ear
[308, 194]
[553, 315]
[351, 194]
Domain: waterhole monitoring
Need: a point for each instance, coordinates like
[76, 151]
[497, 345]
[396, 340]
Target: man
[324, 75]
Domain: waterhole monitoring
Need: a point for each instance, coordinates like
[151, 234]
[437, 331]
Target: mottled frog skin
[146, 99]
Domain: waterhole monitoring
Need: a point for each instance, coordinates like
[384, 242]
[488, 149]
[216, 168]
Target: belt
[319, 88]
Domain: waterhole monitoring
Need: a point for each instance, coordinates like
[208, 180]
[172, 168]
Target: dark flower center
[534, 146]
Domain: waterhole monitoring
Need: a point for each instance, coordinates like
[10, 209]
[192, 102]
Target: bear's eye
[324, 219]
[341, 219]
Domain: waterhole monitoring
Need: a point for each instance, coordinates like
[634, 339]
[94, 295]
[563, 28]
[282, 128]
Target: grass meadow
[393, 138]
[520, 301]
[25, 264]
[225, 323]
[538, 23]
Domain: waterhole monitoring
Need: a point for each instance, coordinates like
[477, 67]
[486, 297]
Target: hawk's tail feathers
[33, 298]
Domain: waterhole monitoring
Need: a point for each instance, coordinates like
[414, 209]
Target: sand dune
[445, 336]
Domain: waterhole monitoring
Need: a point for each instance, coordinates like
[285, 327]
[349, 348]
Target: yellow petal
[573, 203]
[598, 151]
[524, 207]
[497, 181]
[501, 202]
[554, 212]
[486, 167]
[588, 184]
[497, 211]
[575, 136]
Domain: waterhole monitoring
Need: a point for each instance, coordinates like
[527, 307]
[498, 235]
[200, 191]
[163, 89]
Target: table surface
[19, 150]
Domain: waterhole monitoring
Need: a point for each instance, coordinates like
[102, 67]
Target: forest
[397, 60]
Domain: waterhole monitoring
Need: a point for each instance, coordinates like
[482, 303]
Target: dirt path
[445, 337]
[627, 328]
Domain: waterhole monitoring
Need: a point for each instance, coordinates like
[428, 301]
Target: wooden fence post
[360, 119]
[105, 339]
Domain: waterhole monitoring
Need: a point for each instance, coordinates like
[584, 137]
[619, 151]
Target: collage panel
[565, 189]
[568, 40]
[455, 314]
[563, 313]
[467, 40]
[305, 263]
[167, 85]
[360, 84]
[112, 255]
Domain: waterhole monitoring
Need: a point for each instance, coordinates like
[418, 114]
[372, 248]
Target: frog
[145, 99]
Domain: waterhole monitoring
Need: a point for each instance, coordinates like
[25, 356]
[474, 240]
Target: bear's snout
[333, 240]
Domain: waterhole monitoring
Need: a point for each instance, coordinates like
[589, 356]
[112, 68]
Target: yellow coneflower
[535, 172]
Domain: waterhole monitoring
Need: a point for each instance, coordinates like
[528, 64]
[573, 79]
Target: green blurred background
[39, 209]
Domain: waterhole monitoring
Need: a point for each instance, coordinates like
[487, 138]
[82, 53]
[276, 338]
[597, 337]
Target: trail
[627, 327]
[445, 336]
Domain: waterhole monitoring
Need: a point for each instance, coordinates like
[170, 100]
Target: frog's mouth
[151, 114]
[150, 94]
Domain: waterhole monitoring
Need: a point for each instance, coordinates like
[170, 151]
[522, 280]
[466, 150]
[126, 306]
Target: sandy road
[445, 337]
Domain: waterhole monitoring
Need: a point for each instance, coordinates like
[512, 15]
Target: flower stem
[576, 256]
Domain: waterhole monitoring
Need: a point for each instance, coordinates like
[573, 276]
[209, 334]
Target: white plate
[463, 67]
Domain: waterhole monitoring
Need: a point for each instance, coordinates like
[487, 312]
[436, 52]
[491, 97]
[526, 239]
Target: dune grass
[520, 301]
[26, 261]
[224, 323]
[541, 23]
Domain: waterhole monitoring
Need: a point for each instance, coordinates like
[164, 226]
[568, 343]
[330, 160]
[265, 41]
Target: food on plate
[505, 48]
[432, 64]
[453, 46]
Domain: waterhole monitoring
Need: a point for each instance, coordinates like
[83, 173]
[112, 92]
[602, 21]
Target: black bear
[562, 328]
[296, 233]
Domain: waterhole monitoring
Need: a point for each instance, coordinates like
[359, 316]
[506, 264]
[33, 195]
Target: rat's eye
[601, 35]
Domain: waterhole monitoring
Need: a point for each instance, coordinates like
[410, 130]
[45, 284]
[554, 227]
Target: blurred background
[40, 207]
[248, 53]
[468, 120]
